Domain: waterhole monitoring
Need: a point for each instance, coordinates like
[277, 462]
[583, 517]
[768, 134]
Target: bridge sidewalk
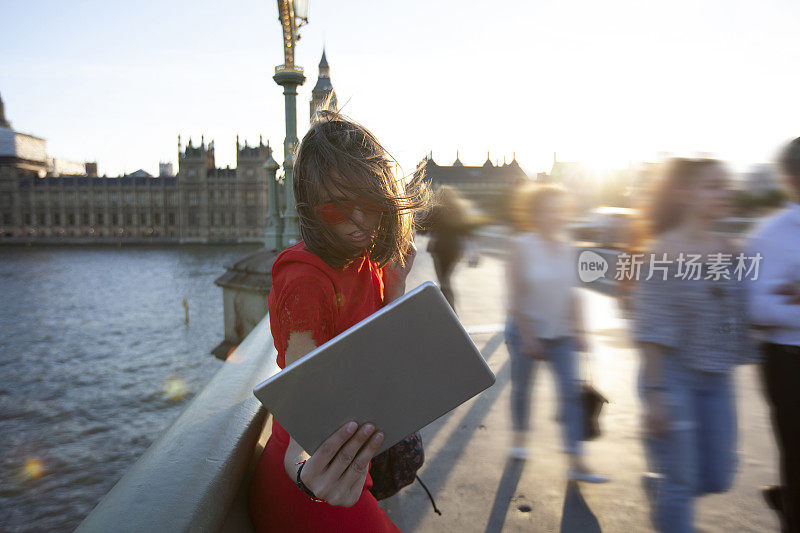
[478, 489]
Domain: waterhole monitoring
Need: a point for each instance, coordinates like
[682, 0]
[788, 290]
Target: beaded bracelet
[302, 486]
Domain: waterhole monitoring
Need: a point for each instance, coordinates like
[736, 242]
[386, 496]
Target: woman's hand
[581, 345]
[396, 275]
[529, 342]
[337, 470]
[533, 348]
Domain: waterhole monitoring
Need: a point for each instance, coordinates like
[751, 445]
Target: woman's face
[352, 219]
[551, 216]
[711, 196]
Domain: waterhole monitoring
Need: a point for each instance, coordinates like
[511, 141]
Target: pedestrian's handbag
[592, 403]
[396, 467]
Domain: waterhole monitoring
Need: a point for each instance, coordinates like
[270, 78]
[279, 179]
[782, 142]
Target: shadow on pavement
[442, 463]
[505, 493]
[487, 352]
[576, 515]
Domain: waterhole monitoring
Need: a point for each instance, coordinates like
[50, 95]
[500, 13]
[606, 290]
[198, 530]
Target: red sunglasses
[335, 213]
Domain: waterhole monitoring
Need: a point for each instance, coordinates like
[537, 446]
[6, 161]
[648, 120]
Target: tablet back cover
[400, 368]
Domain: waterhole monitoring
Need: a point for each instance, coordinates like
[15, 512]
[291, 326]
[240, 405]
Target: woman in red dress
[356, 221]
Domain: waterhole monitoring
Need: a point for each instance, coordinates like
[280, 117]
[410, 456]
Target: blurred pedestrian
[450, 225]
[544, 321]
[775, 307]
[692, 330]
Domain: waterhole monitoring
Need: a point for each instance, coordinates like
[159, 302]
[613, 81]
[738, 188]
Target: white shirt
[545, 274]
[777, 239]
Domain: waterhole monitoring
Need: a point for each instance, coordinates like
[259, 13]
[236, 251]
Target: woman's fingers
[338, 455]
[411, 254]
[355, 475]
[346, 489]
[318, 462]
[347, 454]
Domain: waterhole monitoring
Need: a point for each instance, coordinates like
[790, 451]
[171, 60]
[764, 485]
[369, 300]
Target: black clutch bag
[592, 402]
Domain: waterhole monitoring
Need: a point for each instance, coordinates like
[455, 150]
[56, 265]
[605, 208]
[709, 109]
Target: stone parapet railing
[193, 477]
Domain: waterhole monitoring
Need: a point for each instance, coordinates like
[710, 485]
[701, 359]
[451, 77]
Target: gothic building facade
[489, 186]
[202, 203]
[49, 200]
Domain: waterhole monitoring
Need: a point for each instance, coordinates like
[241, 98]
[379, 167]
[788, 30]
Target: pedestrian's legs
[716, 418]
[523, 367]
[679, 455]
[653, 446]
[781, 370]
[444, 266]
[563, 358]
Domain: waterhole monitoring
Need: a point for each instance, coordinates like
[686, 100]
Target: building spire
[323, 95]
[323, 65]
[4, 123]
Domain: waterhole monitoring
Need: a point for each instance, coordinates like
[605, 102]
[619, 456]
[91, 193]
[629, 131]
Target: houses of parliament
[49, 200]
[45, 199]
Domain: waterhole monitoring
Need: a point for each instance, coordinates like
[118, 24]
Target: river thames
[96, 360]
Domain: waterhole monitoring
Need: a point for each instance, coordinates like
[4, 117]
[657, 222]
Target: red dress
[309, 295]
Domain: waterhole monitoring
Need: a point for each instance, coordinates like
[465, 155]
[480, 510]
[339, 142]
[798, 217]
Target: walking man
[775, 307]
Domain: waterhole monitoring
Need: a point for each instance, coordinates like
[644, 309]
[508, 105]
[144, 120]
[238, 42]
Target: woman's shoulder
[296, 262]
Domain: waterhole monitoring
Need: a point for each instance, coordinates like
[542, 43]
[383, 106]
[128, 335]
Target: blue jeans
[562, 357]
[698, 454]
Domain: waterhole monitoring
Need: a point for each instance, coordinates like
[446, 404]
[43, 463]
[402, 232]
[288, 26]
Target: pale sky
[600, 82]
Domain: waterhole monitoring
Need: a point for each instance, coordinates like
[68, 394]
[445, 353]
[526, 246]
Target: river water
[96, 360]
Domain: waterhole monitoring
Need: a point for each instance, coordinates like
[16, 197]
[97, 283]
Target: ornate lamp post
[246, 283]
[293, 14]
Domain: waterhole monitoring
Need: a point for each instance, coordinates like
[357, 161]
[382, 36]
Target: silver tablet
[401, 368]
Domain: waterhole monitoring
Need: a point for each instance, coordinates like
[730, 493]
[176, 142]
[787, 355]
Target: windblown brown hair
[338, 157]
[447, 211]
[666, 209]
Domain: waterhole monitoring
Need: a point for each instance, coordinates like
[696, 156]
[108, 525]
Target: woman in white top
[544, 321]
